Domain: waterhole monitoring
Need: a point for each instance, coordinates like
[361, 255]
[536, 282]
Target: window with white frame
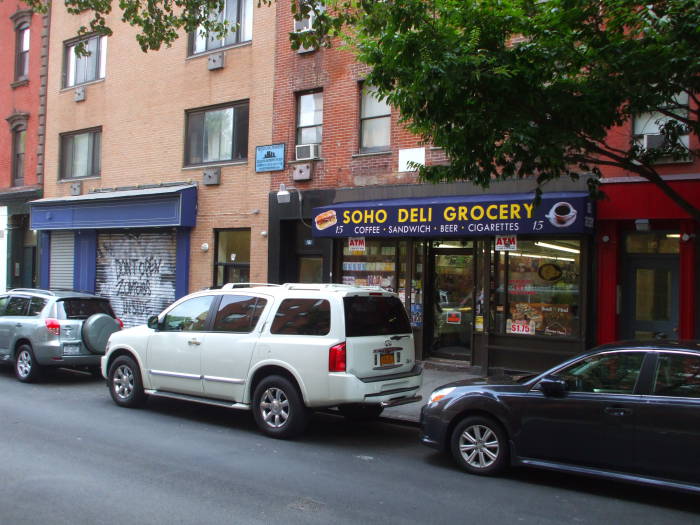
[217, 134]
[648, 125]
[80, 154]
[375, 121]
[22, 52]
[82, 68]
[238, 15]
[310, 118]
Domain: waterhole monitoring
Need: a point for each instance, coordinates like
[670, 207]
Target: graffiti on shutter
[136, 271]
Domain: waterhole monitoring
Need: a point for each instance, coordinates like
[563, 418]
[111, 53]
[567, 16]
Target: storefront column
[608, 248]
[688, 280]
[44, 243]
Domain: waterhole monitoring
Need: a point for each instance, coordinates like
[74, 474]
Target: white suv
[278, 350]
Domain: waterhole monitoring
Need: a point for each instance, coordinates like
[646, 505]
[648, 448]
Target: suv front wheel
[125, 384]
[278, 408]
[26, 367]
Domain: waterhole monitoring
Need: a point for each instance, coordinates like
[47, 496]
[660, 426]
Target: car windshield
[82, 308]
[375, 315]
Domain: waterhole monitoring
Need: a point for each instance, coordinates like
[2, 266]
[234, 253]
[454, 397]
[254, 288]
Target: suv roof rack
[329, 286]
[231, 286]
[32, 290]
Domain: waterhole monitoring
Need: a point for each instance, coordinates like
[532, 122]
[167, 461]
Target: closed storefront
[62, 256]
[131, 246]
[136, 271]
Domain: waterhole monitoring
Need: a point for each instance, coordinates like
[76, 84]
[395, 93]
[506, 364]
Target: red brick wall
[24, 98]
[336, 73]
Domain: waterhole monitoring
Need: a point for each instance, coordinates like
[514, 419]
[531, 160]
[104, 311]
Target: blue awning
[133, 208]
[457, 216]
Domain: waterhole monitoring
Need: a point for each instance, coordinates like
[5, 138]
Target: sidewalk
[435, 374]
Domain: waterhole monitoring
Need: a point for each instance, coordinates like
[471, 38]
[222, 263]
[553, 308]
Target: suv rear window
[374, 315]
[302, 317]
[82, 308]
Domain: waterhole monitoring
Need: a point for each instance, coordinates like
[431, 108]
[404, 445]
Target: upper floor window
[80, 69]
[238, 14]
[375, 121]
[22, 52]
[19, 135]
[218, 134]
[80, 154]
[310, 118]
[648, 125]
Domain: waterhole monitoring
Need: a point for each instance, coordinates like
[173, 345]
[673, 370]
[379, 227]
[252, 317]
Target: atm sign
[506, 243]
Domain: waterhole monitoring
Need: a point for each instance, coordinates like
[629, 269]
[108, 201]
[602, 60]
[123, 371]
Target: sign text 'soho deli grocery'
[456, 216]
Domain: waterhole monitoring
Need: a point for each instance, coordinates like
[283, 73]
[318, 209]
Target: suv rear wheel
[278, 409]
[26, 367]
[125, 385]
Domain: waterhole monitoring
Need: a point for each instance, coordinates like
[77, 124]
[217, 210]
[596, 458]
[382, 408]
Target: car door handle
[617, 411]
[18, 325]
[193, 342]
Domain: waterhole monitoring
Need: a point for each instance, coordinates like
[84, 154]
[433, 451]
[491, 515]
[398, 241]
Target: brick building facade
[150, 187]
[23, 60]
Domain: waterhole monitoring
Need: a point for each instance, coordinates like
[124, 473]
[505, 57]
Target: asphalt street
[69, 455]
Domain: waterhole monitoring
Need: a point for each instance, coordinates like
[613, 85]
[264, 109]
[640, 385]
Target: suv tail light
[121, 323]
[53, 326]
[336, 358]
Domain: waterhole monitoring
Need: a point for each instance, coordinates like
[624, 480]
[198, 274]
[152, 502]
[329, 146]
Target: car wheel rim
[274, 407]
[24, 363]
[123, 382]
[479, 447]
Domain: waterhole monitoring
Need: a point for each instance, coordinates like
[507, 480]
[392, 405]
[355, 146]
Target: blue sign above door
[457, 216]
[269, 158]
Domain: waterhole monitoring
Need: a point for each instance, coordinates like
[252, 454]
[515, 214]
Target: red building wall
[337, 73]
[22, 98]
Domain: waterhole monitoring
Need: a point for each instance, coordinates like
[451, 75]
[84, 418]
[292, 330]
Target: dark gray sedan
[628, 411]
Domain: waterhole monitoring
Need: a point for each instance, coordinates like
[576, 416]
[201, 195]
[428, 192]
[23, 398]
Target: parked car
[628, 411]
[276, 350]
[42, 328]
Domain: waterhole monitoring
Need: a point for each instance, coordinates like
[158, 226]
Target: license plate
[71, 349]
[386, 359]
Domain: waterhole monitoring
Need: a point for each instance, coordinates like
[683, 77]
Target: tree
[532, 88]
[508, 88]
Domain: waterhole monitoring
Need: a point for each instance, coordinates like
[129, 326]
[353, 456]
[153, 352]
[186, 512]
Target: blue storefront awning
[133, 208]
[457, 216]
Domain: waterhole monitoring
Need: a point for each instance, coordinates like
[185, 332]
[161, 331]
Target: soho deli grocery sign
[471, 215]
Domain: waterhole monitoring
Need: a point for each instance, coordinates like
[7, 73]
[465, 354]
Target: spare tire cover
[96, 330]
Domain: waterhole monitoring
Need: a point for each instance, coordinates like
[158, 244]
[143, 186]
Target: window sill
[218, 50]
[19, 83]
[371, 154]
[71, 88]
[215, 165]
[67, 180]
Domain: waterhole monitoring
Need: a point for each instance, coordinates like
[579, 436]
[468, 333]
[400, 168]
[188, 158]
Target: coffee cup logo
[562, 214]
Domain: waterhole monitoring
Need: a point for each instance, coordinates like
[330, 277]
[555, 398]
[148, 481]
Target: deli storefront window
[370, 262]
[538, 288]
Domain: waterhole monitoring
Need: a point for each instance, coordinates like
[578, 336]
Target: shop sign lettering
[502, 215]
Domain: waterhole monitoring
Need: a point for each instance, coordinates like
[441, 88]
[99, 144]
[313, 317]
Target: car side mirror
[553, 386]
[153, 322]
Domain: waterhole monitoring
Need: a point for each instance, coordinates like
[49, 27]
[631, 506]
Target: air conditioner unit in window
[655, 141]
[308, 151]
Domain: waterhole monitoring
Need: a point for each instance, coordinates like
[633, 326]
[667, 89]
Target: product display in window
[374, 266]
[543, 288]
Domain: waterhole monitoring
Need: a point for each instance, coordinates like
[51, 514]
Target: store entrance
[453, 302]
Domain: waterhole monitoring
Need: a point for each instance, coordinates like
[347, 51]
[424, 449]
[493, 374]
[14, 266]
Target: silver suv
[42, 328]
